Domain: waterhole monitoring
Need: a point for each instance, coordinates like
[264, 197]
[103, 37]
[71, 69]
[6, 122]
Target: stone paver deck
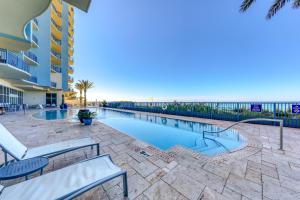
[258, 171]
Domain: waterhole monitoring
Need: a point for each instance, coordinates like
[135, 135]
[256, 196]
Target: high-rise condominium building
[41, 75]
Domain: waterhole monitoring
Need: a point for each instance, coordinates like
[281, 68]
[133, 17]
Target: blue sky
[187, 50]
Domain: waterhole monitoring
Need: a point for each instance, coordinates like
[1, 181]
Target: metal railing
[217, 133]
[31, 55]
[36, 21]
[56, 69]
[56, 25]
[57, 55]
[71, 79]
[13, 60]
[34, 38]
[56, 40]
[58, 13]
[28, 31]
[228, 111]
[32, 79]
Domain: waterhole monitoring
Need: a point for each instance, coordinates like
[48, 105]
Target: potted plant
[80, 113]
[88, 117]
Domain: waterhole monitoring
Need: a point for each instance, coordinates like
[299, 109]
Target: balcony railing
[13, 60]
[56, 26]
[57, 12]
[32, 79]
[34, 38]
[71, 68]
[57, 55]
[71, 79]
[28, 31]
[36, 21]
[31, 55]
[70, 90]
[53, 84]
[56, 69]
[56, 40]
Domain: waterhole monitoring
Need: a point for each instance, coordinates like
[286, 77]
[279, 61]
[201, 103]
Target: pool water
[163, 133]
[53, 114]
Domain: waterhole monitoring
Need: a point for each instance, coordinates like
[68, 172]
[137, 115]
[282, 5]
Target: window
[51, 99]
[11, 96]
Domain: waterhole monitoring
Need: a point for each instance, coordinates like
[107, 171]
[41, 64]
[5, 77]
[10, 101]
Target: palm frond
[296, 4]
[277, 5]
[78, 86]
[246, 4]
[87, 84]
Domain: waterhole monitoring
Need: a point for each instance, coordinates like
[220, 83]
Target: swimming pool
[55, 114]
[163, 133]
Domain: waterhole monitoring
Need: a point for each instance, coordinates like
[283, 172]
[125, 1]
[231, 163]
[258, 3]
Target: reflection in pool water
[55, 114]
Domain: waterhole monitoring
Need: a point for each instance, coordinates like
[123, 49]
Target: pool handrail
[252, 120]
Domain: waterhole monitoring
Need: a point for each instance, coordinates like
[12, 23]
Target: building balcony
[71, 10]
[32, 79]
[35, 24]
[55, 69]
[55, 44]
[57, 5]
[71, 20]
[70, 70]
[12, 28]
[70, 92]
[55, 17]
[71, 41]
[71, 31]
[12, 66]
[53, 84]
[35, 41]
[71, 61]
[70, 52]
[55, 58]
[70, 79]
[30, 58]
[15, 26]
[56, 31]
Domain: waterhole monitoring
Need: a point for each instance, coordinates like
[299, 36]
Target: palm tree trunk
[85, 98]
[80, 98]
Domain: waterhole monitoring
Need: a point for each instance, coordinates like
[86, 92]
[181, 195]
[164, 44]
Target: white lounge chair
[12, 146]
[68, 182]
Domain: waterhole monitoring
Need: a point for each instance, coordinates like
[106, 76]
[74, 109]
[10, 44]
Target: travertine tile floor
[258, 171]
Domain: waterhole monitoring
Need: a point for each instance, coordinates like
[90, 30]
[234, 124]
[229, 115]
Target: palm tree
[277, 5]
[79, 86]
[86, 85]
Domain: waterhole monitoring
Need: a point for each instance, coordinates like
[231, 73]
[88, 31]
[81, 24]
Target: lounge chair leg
[98, 149]
[125, 186]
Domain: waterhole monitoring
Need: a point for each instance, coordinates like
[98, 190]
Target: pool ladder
[205, 144]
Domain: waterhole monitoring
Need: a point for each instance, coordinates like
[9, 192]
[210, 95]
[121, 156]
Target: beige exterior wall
[57, 78]
[59, 98]
[34, 97]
